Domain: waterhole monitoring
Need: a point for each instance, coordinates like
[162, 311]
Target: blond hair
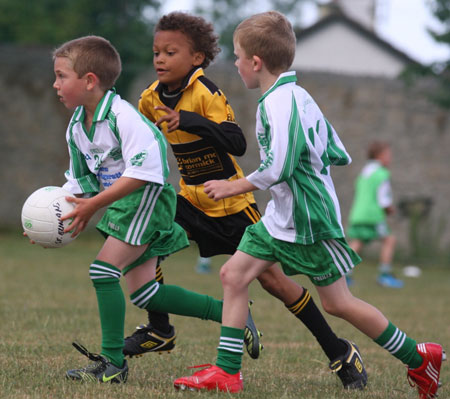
[92, 54]
[268, 35]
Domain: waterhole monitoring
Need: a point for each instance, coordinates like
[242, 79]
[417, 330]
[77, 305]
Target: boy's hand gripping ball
[41, 217]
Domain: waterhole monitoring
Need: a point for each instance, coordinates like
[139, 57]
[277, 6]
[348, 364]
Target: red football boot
[211, 378]
[426, 377]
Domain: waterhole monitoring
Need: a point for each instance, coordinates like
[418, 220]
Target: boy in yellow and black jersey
[204, 141]
[199, 124]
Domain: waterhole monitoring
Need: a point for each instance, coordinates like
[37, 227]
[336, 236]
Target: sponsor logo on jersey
[139, 159]
[306, 103]
[97, 151]
[115, 153]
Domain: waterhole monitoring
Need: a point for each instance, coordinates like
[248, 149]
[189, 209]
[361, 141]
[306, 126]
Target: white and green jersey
[121, 142]
[373, 193]
[297, 146]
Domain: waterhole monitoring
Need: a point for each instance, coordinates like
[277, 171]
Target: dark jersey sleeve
[226, 135]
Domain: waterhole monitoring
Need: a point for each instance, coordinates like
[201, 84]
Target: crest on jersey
[138, 159]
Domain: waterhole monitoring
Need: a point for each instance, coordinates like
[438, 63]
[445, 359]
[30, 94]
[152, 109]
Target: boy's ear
[257, 63]
[199, 57]
[92, 80]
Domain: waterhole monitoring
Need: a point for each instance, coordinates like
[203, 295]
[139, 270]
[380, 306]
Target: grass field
[47, 301]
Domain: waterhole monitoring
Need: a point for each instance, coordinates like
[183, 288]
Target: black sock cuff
[300, 303]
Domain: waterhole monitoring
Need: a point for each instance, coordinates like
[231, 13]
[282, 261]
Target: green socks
[230, 349]
[400, 346]
[111, 306]
[176, 300]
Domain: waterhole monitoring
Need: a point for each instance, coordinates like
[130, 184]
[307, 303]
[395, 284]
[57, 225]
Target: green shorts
[146, 216]
[368, 232]
[323, 262]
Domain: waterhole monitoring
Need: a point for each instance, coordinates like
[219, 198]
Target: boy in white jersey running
[118, 158]
[301, 228]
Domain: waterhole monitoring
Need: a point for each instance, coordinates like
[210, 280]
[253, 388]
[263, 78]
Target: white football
[41, 217]
[412, 271]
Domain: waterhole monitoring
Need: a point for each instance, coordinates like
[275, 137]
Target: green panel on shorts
[163, 245]
[323, 262]
[146, 216]
[368, 232]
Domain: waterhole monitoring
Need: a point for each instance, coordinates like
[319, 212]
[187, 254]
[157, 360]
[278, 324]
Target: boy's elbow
[341, 161]
[236, 147]
[240, 149]
[234, 138]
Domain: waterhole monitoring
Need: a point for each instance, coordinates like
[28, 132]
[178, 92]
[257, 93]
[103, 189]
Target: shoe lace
[411, 380]
[143, 329]
[97, 360]
[91, 356]
[200, 366]
[140, 330]
[94, 367]
[149, 329]
[336, 365]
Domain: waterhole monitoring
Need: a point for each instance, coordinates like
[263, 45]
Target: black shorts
[214, 236]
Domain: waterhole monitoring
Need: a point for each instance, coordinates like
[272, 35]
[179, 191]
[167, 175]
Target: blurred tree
[441, 10]
[227, 14]
[438, 71]
[126, 23]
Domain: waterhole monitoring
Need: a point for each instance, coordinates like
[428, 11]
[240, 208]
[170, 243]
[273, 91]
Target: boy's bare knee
[228, 276]
[333, 308]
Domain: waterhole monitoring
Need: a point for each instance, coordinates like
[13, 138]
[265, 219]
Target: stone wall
[33, 152]
[33, 149]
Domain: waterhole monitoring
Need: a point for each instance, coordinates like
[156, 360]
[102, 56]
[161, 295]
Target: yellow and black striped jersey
[205, 142]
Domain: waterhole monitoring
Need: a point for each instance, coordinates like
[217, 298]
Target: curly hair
[199, 32]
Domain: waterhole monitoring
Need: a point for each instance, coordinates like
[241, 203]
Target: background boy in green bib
[118, 159]
[301, 228]
[371, 204]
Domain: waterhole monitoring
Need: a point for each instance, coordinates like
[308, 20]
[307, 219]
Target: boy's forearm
[242, 186]
[219, 189]
[226, 188]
